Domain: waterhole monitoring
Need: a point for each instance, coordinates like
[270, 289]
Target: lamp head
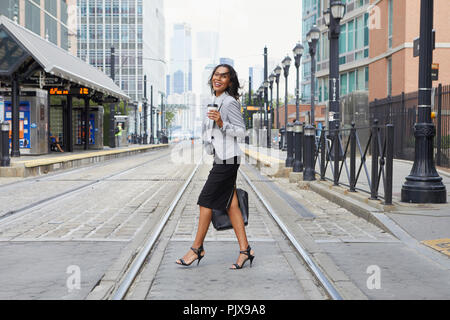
[337, 9]
[298, 50]
[286, 62]
[314, 33]
[272, 78]
[277, 71]
[327, 17]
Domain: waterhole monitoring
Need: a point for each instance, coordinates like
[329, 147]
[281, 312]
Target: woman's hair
[233, 88]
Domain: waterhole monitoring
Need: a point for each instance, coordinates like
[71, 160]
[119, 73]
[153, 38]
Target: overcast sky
[244, 26]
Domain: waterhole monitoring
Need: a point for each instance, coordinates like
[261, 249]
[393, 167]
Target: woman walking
[221, 129]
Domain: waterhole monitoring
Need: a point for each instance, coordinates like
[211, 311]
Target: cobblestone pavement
[332, 223]
[362, 251]
[89, 229]
[277, 271]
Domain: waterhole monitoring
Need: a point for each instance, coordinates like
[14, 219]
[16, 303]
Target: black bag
[220, 218]
[116, 131]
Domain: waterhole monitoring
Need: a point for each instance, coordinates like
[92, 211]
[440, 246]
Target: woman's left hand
[215, 115]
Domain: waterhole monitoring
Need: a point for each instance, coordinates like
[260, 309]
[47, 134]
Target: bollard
[353, 158]
[374, 175]
[5, 161]
[283, 139]
[290, 144]
[309, 171]
[322, 154]
[298, 130]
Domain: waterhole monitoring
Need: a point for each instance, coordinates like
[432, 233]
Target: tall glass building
[181, 59]
[353, 49]
[47, 18]
[139, 43]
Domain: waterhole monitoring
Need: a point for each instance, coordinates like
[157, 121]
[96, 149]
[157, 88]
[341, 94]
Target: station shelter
[32, 71]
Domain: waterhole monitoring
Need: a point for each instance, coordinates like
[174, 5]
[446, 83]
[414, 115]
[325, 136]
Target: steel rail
[140, 259]
[331, 290]
[72, 191]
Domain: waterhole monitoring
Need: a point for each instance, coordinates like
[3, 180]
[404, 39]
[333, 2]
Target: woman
[219, 191]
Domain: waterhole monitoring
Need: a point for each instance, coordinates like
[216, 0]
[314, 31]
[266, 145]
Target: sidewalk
[415, 224]
[25, 166]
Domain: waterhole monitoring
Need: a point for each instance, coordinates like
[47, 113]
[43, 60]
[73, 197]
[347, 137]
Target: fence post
[322, 154]
[403, 119]
[374, 175]
[439, 126]
[352, 157]
[389, 164]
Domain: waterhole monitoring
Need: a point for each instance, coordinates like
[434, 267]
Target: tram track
[59, 196]
[141, 258]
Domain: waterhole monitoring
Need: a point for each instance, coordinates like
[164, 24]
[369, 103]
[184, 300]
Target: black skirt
[220, 185]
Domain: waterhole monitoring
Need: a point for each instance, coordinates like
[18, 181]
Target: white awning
[57, 61]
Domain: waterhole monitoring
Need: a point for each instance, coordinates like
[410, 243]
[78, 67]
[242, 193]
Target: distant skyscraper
[257, 74]
[168, 85]
[227, 61]
[181, 59]
[208, 45]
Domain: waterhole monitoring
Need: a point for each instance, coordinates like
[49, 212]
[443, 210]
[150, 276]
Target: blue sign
[24, 123]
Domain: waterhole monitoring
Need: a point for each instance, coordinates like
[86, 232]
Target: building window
[389, 76]
[343, 84]
[350, 37]
[32, 18]
[390, 17]
[343, 39]
[351, 81]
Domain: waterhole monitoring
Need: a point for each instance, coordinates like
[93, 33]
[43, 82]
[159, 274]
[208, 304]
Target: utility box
[33, 120]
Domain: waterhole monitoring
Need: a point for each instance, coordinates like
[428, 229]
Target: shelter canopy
[26, 54]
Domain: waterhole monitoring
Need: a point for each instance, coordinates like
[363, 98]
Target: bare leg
[239, 228]
[203, 225]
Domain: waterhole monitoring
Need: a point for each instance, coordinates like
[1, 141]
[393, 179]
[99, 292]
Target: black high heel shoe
[250, 257]
[197, 252]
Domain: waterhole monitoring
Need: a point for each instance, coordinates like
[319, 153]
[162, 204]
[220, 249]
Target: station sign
[59, 91]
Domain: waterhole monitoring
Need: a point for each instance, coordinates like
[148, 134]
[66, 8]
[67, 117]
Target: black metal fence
[401, 111]
[360, 174]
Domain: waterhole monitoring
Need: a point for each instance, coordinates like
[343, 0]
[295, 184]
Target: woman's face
[221, 80]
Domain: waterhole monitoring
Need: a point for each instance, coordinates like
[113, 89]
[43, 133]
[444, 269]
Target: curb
[28, 168]
[350, 201]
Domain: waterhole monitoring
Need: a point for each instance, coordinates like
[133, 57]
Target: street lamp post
[424, 185]
[271, 80]
[298, 52]
[313, 37]
[266, 116]
[277, 72]
[332, 17]
[145, 109]
[286, 64]
[260, 99]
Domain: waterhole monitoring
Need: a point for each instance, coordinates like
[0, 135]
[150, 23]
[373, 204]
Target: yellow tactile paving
[262, 157]
[441, 245]
[53, 160]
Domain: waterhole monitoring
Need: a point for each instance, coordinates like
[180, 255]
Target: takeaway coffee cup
[212, 107]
